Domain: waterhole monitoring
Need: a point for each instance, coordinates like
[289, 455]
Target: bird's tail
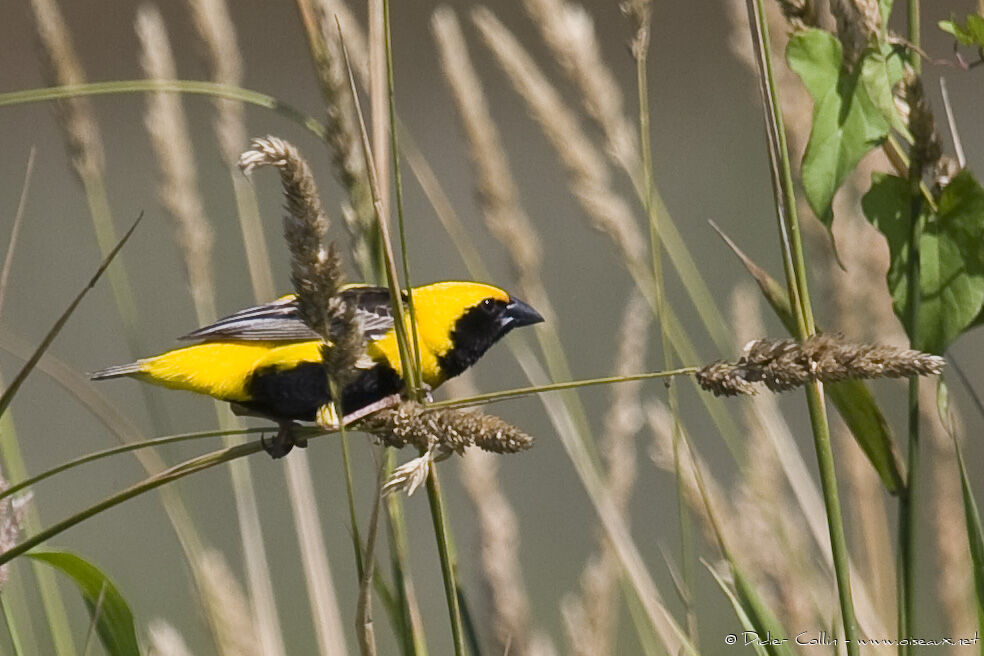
[116, 372]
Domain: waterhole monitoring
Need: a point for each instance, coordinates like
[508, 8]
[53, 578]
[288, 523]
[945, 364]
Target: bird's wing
[280, 320]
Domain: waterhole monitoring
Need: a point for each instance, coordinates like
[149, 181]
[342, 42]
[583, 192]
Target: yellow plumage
[267, 360]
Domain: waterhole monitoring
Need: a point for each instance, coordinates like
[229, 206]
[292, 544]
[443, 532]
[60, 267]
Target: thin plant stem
[413, 641]
[641, 51]
[363, 622]
[392, 280]
[410, 373]
[556, 387]
[447, 564]
[398, 182]
[800, 300]
[123, 448]
[15, 230]
[907, 500]
[353, 520]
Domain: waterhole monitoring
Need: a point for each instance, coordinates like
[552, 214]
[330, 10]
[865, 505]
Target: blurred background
[710, 164]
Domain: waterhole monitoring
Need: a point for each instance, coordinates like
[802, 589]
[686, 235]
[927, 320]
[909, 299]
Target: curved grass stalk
[200, 463]
[194, 87]
[123, 448]
[518, 392]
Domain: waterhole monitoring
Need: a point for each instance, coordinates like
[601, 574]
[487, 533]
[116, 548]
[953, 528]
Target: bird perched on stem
[266, 361]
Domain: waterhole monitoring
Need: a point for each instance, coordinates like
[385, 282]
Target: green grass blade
[25, 371]
[114, 620]
[744, 618]
[123, 448]
[765, 622]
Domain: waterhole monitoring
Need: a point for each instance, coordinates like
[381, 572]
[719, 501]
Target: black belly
[299, 392]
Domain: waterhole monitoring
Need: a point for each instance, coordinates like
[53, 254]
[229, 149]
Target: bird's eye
[488, 303]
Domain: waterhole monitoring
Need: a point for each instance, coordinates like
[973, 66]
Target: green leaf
[881, 70]
[852, 398]
[885, 7]
[847, 122]
[951, 255]
[114, 622]
[972, 34]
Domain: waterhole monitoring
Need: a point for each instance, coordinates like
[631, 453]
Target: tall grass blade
[25, 371]
[15, 230]
[744, 617]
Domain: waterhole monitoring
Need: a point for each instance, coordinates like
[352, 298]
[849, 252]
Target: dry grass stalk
[165, 640]
[569, 32]
[171, 141]
[590, 617]
[316, 268]
[225, 66]
[411, 423]
[222, 58]
[227, 608]
[62, 67]
[342, 132]
[660, 422]
[589, 176]
[314, 558]
[499, 541]
[497, 190]
[499, 546]
[783, 364]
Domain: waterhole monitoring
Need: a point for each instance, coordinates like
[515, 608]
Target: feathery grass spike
[782, 364]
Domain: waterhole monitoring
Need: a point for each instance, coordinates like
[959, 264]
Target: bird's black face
[482, 326]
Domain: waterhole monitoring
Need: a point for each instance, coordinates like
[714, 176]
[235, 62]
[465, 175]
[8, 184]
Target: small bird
[266, 361]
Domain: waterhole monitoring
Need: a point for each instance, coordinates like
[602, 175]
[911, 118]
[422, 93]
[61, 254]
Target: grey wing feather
[280, 320]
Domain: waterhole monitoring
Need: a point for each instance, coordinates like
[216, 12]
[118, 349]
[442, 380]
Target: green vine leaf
[969, 34]
[847, 120]
[114, 621]
[951, 262]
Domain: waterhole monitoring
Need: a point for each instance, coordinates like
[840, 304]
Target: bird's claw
[283, 442]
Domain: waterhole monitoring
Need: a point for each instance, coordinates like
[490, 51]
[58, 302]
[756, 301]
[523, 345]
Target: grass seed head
[782, 364]
[411, 423]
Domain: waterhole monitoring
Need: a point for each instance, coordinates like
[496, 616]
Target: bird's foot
[284, 441]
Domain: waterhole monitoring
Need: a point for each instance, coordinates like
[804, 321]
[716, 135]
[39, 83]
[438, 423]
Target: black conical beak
[519, 313]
